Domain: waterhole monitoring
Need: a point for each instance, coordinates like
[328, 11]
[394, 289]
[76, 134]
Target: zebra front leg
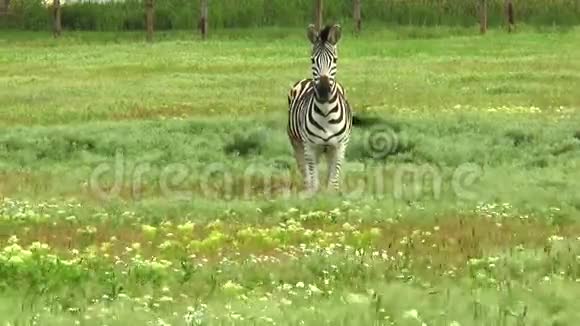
[335, 159]
[299, 156]
[311, 168]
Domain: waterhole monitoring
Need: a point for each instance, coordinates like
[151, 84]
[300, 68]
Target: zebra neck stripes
[318, 123]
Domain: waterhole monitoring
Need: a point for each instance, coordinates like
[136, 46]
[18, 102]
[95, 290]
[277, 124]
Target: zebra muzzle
[323, 88]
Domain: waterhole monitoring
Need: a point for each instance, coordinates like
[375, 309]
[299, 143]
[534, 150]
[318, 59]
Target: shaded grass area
[527, 159]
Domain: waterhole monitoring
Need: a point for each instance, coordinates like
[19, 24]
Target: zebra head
[324, 57]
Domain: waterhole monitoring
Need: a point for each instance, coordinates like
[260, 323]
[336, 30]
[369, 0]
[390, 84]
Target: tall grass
[183, 14]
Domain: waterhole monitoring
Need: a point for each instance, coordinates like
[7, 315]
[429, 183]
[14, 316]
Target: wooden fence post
[57, 27]
[318, 14]
[4, 5]
[482, 16]
[510, 15]
[203, 24]
[357, 16]
[149, 13]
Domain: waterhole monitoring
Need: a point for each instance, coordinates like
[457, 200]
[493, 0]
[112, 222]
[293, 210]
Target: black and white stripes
[319, 116]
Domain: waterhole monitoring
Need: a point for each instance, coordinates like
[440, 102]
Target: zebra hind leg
[335, 156]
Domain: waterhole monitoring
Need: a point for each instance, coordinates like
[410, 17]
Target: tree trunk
[149, 13]
[203, 24]
[510, 15]
[4, 7]
[482, 16]
[357, 16]
[57, 27]
[318, 14]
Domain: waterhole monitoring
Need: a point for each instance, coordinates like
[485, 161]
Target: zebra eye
[312, 60]
[334, 60]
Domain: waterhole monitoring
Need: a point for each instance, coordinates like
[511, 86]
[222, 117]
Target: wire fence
[202, 16]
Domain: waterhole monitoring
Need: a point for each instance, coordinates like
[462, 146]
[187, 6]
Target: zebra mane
[324, 33]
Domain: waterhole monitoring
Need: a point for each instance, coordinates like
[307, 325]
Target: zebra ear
[335, 33]
[312, 33]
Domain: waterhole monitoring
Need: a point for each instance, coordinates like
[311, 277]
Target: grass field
[154, 183]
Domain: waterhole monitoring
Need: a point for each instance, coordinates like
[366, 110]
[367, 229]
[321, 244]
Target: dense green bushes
[183, 14]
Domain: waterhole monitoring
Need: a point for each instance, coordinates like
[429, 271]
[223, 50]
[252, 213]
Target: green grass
[460, 203]
[179, 77]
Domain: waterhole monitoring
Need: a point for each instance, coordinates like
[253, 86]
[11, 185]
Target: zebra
[319, 115]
